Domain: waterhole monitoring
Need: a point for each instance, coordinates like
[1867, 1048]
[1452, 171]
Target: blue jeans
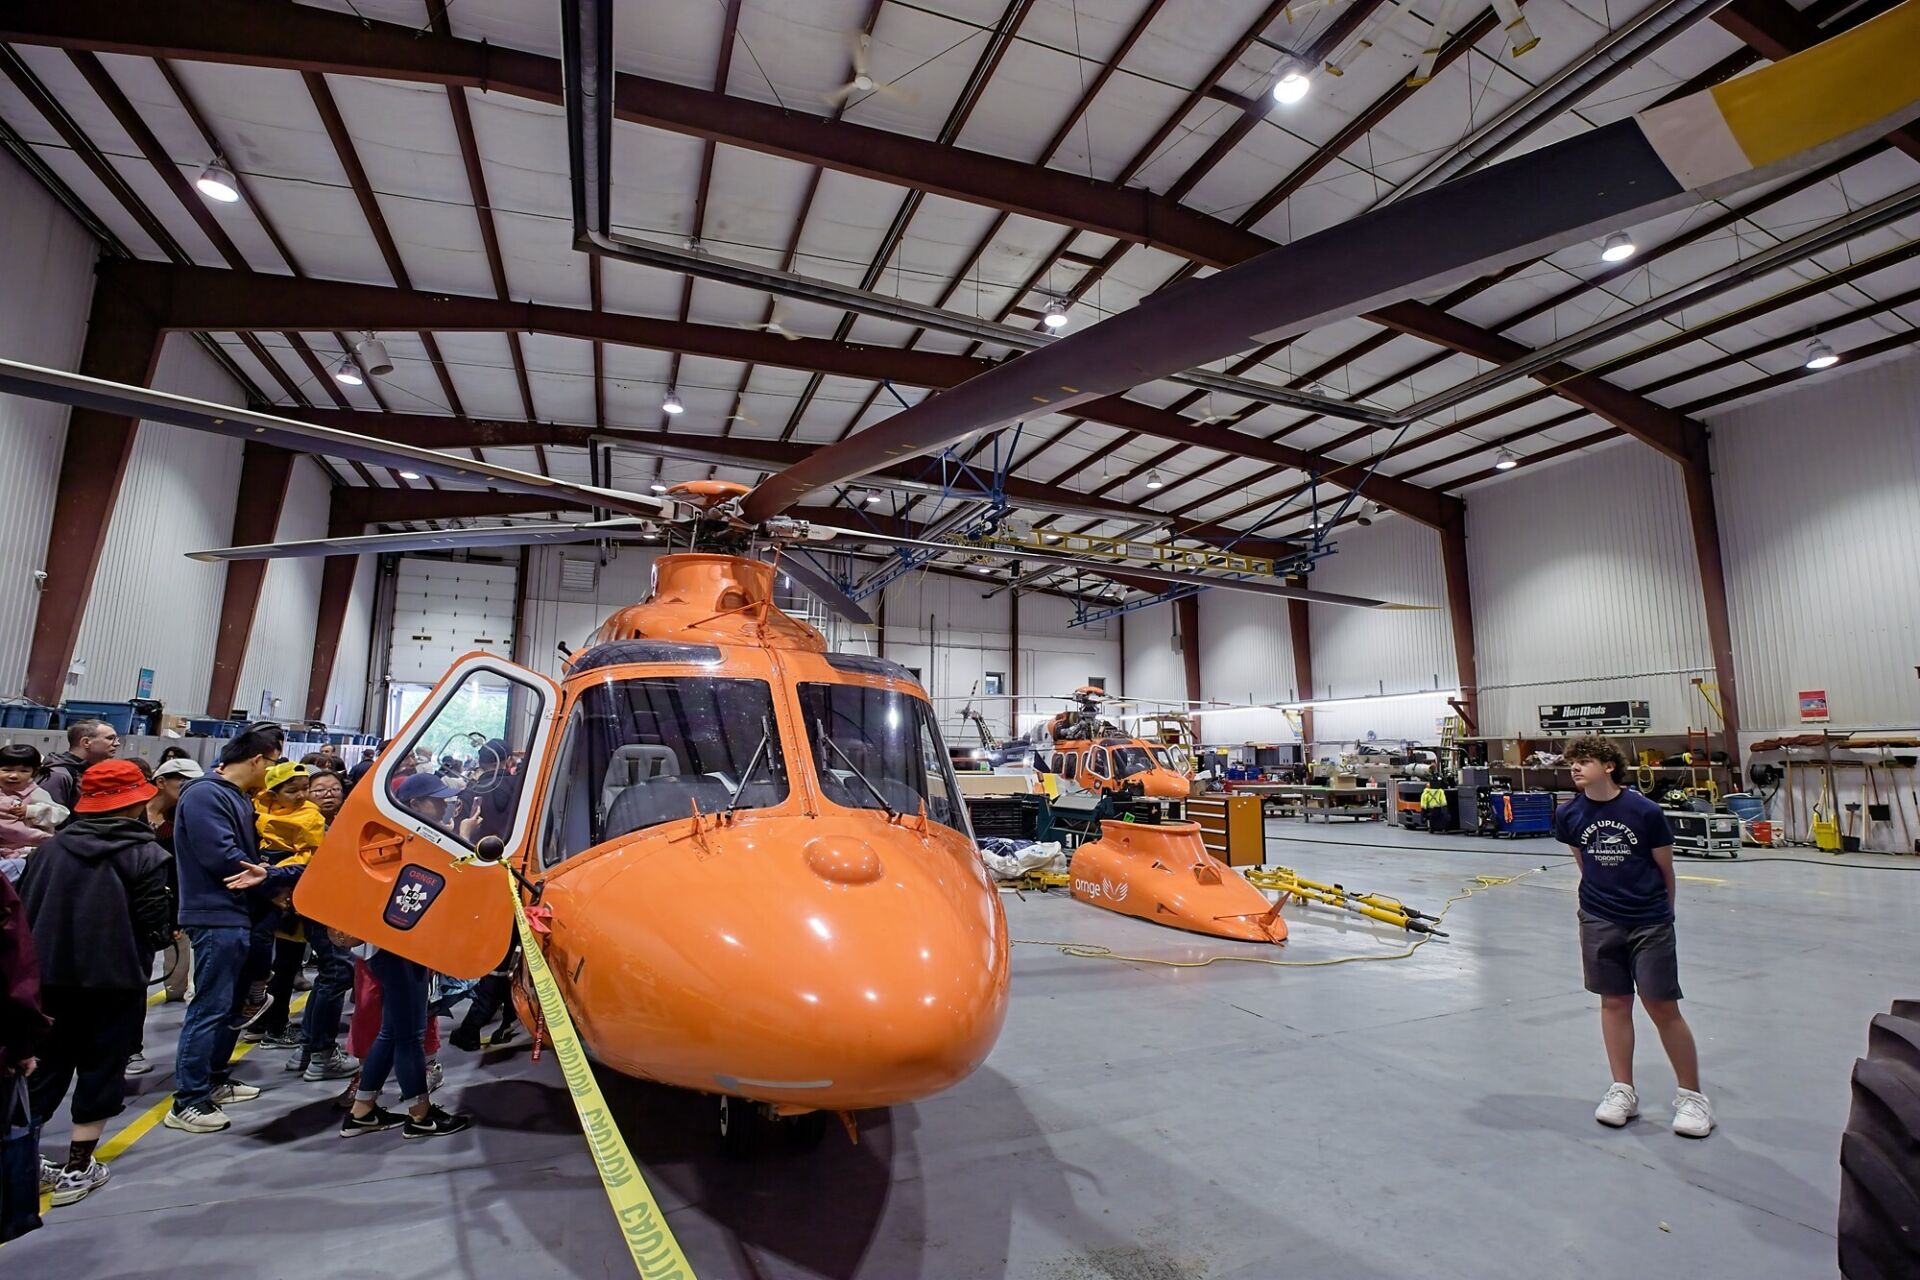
[320, 1028]
[206, 1034]
[400, 1047]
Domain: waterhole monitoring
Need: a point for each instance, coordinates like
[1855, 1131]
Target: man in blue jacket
[218, 853]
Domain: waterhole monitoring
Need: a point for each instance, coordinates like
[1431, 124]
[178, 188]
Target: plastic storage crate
[1521, 813]
[118, 714]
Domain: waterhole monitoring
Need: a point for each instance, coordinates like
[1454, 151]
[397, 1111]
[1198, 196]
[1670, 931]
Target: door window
[653, 749]
[1128, 761]
[463, 770]
[1097, 763]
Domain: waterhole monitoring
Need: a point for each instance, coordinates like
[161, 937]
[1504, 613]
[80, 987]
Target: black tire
[1880, 1153]
[742, 1125]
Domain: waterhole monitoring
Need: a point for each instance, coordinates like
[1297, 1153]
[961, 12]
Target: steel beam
[1704, 518]
[123, 343]
[264, 474]
[330, 621]
[1300, 627]
[1186, 614]
[1453, 562]
[200, 299]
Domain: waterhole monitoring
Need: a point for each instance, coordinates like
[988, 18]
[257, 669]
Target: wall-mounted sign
[1813, 706]
[1594, 717]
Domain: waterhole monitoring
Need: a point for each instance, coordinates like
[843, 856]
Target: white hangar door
[441, 610]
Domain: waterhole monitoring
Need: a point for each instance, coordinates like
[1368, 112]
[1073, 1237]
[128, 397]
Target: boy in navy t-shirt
[1624, 849]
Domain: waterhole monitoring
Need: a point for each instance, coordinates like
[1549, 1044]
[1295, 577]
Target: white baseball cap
[180, 767]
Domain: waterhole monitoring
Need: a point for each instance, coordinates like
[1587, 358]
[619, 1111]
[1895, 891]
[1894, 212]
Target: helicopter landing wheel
[805, 1132]
[742, 1125]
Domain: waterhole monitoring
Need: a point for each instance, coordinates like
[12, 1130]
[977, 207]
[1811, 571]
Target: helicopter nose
[836, 971]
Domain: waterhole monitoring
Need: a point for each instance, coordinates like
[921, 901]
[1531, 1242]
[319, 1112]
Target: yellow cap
[279, 773]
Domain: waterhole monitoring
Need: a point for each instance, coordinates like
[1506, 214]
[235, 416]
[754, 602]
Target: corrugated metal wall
[1585, 587]
[1154, 669]
[151, 606]
[1819, 496]
[46, 279]
[346, 704]
[553, 614]
[1369, 652]
[1246, 655]
[280, 650]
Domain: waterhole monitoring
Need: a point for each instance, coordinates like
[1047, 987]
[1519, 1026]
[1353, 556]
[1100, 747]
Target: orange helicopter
[756, 870]
[1095, 754]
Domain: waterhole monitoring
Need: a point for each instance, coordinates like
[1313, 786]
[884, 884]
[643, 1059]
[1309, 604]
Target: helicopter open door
[397, 868]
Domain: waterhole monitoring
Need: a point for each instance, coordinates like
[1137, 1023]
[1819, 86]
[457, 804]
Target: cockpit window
[1164, 758]
[642, 751]
[878, 749]
[1128, 761]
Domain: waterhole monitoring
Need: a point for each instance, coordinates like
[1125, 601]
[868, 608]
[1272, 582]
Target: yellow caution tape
[656, 1254]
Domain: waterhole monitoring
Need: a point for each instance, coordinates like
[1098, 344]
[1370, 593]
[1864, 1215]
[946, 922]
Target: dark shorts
[1620, 959]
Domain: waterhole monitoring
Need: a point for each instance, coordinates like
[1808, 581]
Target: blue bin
[117, 714]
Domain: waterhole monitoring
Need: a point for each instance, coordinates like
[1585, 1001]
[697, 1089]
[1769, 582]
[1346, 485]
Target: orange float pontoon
[1162, 872]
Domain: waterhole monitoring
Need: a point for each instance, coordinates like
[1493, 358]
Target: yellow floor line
[148, 1120]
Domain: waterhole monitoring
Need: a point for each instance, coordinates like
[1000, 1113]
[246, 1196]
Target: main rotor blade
[829, 592]
[1253, 586]
[1793, 114]
[441, 540]
[61, 387]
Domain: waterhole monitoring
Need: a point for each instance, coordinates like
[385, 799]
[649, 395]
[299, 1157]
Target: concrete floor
[1429, 1115]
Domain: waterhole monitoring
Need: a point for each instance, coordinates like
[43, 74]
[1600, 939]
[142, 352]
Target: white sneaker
[1692, 1114]
[1619, 1106]
[71, 1187]
[138, 1065]
[49, 1174]
[225, 1094]
[200, 1118]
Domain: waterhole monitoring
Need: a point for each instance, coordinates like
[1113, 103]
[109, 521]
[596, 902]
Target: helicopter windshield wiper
[864, 780]
[766, 736]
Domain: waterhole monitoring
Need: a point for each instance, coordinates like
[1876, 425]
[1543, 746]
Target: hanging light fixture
[657, 487]
[1154, 481]
[875, 499]
[1820, 355]
[216, 182]
[672, 404]
[1618, 247]
[1056, 317]
[1506, 460]
[1291, 88]
[347, 373]
[373, 356]
[409, 475]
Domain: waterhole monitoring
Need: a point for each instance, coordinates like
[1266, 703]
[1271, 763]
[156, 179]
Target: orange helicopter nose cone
[843, 861]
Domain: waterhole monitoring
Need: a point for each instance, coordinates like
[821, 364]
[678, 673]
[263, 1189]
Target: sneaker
[1692, 1114]
[332, 1066]
[303, 982]
[252, 1035]
[297, 1060]
[436, 1124]
[73, 1186]
[436, 1075]
[138, 1065]
[507, 1034]
[201, 1117]
[250, 1015]
[281, 1040]
[374, 1121]
[1619, 1106]
[465, 1038]
[49, 1174]
[233, 1091]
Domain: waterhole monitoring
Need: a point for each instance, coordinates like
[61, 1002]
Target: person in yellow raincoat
[291, 828]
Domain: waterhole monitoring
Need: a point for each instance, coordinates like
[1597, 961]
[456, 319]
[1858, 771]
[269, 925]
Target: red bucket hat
[111, 785]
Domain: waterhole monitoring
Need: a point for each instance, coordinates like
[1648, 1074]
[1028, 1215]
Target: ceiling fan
[860, 44]
[775, 323]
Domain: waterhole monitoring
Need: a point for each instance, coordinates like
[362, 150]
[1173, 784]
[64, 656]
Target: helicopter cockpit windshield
[877, 749]
[645, 750]
[1128, 761]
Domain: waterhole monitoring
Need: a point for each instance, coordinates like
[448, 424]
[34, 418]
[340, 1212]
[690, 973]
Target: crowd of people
[118, 876]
